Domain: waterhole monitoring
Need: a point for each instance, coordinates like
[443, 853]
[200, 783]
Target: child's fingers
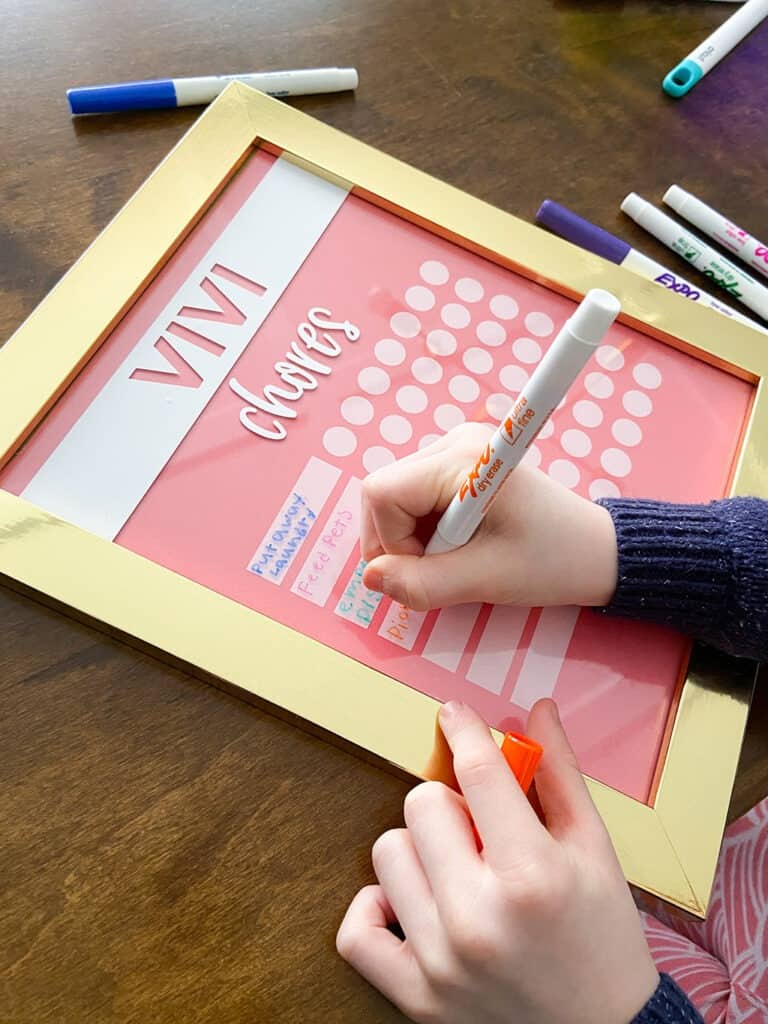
[500, 810]
[568, 808]
[421, 583]
[439, 823]
[370, 545]
[398, 496]
[401, 876]
[365, 942]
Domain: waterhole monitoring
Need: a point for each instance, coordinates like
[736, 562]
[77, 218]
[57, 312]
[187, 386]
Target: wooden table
[168, 853]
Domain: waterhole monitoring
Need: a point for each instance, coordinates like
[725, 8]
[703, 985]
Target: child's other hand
[540, 544]
[538, 927]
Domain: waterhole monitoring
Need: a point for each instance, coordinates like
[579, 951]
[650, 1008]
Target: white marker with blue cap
[185, 92]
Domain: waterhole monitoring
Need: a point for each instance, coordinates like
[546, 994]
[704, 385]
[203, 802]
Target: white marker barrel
[563, 362]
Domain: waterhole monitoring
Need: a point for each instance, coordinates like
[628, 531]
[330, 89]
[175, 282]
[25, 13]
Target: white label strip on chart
[332, 547]
[545, 657]
[401, 625]
[449, 636]
[110, 458]
[290, 527]
[358, 604]
[497, 647]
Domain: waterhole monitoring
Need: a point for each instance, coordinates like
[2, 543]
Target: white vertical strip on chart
[358, 604]
[107, 462]
[332, 547]
[290, 527]
[497, 647]
[449, 636]
[401, 625]
[545, 656]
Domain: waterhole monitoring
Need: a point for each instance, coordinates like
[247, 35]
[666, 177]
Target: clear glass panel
[302, 337]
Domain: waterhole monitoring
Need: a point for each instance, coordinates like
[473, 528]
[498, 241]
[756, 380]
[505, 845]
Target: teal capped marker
[688, 72]
[682, 78]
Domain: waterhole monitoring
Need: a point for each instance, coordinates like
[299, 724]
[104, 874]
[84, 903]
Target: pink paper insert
[444, 336]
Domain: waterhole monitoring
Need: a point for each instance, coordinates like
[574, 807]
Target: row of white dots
[375, 381]
[565, 472]
[613, 461]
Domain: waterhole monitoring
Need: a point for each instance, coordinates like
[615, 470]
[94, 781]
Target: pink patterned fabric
[722, 963]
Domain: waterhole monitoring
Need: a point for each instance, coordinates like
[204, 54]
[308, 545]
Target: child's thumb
[422, 582]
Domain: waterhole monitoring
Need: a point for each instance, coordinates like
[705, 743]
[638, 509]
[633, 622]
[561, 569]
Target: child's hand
[539, 927]
[540, 544]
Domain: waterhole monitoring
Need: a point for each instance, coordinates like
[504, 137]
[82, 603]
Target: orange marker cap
[522, 755]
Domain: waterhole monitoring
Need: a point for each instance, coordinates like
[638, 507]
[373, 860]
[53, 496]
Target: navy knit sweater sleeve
[702, 569]
[668, 1005]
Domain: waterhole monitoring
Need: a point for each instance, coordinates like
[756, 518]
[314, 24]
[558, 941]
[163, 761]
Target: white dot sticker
[455, 315]
[527, 350]
[616, 462]
[373, 380]
[469, 290]
[357, 410]
[427, 440]
[411, 399]
[513, 378]
[463, 388]
[441, 343]
[609, 357]
[426, 370]
[396, 429]
[491, 333]
[504, 307]
[647, 376]
[564, 472]
[389, 351]
[434, 272]
[598, 385]
[376, 457]
[405, 325]
[497, 406]
[477, 360]
[339, 441]
[547, 430]
[576, 443]
[587, 413]
[533, 457]
[448, 416]
[539, 324]
[420, 298]
[637, 403]
[627, 432]
[603, 489]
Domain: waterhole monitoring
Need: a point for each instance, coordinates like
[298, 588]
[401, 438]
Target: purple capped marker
[573, 228]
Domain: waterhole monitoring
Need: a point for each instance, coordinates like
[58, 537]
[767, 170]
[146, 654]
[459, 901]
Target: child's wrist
[602, 559]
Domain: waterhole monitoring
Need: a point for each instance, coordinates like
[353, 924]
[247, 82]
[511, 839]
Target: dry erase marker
[727, 275]
[566, 357]
[581, 232]
[186, 92]
[724, 231]
[522, 754]
[681, 79]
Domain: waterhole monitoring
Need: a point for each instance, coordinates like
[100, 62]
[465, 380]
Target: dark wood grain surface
[168, 853]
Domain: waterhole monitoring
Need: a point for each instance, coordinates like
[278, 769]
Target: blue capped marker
[185, 92]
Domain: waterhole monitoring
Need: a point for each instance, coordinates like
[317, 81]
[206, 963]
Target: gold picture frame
[670, 848]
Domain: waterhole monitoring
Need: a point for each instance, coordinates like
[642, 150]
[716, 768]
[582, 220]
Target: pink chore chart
[300, 338]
